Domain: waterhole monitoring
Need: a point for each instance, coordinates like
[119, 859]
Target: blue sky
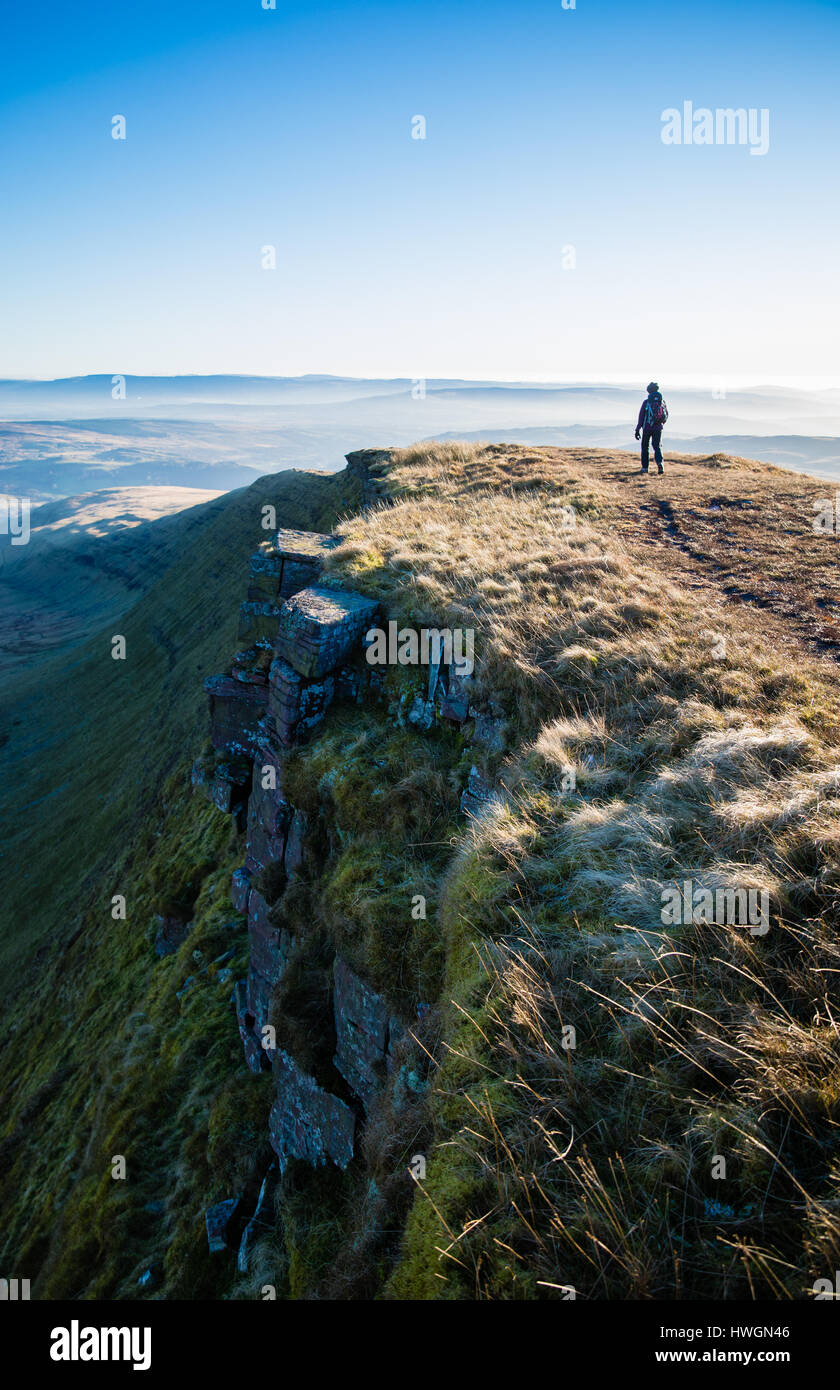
[439, 257]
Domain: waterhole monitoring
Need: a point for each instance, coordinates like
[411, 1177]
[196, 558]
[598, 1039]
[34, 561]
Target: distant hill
[114, 396]
[62, 438]
[98, 514]
[86, 558]
[43, 459]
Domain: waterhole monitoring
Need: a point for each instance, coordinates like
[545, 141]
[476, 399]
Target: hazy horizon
[629, 380]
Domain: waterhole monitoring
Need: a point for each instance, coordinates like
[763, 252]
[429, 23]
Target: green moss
[313, 1207]
[237, 1132]
[138, 1080]
[107, 1059]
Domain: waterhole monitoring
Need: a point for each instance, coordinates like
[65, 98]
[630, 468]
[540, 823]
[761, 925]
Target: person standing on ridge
[652, 417]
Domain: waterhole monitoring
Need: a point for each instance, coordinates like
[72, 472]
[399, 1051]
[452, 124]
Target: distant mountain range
[82, 434]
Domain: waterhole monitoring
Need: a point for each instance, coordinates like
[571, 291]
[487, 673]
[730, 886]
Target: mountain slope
[87, 736]
[654, 701]
[95, 802]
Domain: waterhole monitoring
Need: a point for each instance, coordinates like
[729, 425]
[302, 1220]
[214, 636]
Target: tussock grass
[593, 1166]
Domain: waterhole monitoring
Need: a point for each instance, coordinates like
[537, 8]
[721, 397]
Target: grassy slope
[61, 587]
[594, 1167]
[91, 738]
[546, 1166]
[99, 1056]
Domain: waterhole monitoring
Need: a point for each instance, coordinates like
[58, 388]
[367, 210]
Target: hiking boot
[643, 470]
[660, 468]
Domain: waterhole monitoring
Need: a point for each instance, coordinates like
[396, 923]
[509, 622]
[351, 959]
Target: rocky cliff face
[300, 648]
[301, 658]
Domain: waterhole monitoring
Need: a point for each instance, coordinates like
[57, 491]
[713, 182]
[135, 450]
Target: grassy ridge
[666, 716]
[698, 750]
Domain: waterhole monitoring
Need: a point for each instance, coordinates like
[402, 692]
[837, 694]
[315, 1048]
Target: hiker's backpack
[656, 411]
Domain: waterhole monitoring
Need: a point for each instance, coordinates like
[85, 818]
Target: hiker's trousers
[647, 436]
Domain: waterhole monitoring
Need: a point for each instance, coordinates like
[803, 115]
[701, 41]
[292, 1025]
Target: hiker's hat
[653, 386]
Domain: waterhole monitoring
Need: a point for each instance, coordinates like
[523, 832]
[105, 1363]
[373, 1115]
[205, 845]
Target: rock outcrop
[236, 712]
[369, 466]
[220, 1221]
[307, 1122]
[302, 648]
[363, 1031]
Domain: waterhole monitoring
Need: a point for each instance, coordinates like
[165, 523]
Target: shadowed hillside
[88, 738]
[87, 559]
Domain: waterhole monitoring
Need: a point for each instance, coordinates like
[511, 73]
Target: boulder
[319, 627]
[362, 1032]
[170, 933]
[307, 1122]
[219, 1220]
[295, 706]
[265, 571]
[258, 622]
[291, 562]
[303, 547]
[236, 709]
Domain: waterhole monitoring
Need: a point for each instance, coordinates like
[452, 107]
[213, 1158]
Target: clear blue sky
[292, 127]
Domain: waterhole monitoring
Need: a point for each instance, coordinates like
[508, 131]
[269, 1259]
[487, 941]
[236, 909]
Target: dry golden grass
[700, 726]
